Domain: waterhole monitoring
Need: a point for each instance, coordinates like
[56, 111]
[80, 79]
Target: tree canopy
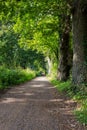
[44, 26]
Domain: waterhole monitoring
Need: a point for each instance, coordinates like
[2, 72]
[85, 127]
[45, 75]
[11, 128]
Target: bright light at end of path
[41, 79]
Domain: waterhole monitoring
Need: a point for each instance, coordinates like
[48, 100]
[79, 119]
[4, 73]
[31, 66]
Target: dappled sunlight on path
[36, 105]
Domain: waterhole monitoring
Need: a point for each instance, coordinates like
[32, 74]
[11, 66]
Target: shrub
[10, 77]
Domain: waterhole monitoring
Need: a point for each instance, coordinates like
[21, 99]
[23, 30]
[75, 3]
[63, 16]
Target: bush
[10, 77]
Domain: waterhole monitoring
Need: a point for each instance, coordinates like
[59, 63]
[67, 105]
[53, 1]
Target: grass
[79, 94]
[61, 86]
[10, 77]
[81, 113]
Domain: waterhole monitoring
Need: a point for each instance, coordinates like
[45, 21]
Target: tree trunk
[64, 52]
[79, 72]
[49, 65]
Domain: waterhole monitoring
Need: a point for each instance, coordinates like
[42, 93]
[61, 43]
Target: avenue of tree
[52, 29]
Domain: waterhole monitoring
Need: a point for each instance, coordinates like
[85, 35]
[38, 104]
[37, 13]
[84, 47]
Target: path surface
[36, 105]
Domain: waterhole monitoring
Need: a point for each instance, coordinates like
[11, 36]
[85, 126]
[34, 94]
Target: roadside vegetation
[79, 95]
[10, 77]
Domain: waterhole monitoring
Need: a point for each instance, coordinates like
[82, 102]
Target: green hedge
[10, 77]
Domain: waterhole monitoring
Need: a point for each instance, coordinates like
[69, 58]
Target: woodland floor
[37, 105]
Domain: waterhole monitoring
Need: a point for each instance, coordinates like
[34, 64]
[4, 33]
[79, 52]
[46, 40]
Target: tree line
[55, 28]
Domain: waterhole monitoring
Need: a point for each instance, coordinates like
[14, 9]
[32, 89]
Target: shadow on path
[36, 105]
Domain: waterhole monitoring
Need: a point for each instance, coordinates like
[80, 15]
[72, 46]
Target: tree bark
[79, 14]
[64, 53]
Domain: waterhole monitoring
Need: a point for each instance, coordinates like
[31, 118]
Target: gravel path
[36, 105]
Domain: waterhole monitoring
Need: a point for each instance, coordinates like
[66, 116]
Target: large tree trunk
[79, 73]
[64, 53]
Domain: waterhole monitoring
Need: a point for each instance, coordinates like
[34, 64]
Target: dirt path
[36, 105]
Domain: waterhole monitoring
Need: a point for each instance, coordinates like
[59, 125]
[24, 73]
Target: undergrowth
[81, 113]
[78, 93]
[10, 77]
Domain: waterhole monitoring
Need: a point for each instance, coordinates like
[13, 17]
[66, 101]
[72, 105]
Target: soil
[37, 105]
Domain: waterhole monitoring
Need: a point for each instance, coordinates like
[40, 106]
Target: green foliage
[38, 25]
[79, 91]
[12, 55]
[62, 86]
[8, 46]
[10, 77]
[30, 58]
[82, 113]
[36, 22]
[81, 97]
